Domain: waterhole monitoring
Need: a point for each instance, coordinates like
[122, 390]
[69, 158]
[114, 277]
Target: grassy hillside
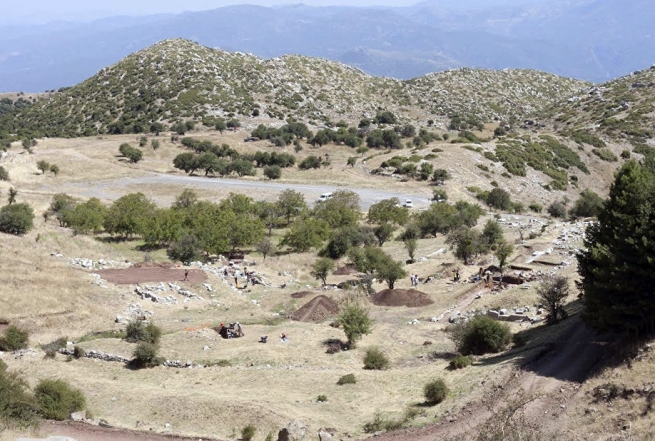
[179, 79]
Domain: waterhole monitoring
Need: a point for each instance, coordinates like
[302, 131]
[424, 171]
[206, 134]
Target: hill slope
[620, 111]
[178, 79]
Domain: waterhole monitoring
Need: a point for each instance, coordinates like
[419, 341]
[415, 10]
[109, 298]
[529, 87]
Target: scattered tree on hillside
[467, 243]
[12, 195]
[502, 253]
[355, 322]
[4, 174]
[410, 246]
[266, 247]
[43, 166]
[17, 219]
[322, 268]
[553, 291]
[54, 168]
[588, 205]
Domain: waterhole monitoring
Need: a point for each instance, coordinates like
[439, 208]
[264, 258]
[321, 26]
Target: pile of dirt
[401, 297]
[301, 294]
[345, 270]
[316, 310]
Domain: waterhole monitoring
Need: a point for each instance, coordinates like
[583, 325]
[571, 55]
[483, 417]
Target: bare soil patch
[87, 432]
[316, 310]
[301, 294]
[346, 270]
[132, 276]
[401, 297]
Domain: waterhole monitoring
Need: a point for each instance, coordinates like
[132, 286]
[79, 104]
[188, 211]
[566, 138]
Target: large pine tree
[618, 266]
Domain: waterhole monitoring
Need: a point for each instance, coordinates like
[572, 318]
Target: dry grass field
[267, 385]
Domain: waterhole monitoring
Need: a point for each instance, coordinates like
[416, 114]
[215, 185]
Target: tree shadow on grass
[567, 351]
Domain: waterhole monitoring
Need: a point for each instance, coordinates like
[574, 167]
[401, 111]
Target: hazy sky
[30, 11]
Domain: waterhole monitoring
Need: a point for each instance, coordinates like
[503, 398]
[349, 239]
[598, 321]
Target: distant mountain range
[594, 40]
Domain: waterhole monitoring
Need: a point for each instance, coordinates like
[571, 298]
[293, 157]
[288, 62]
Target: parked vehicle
[324, 197]
[408, 203]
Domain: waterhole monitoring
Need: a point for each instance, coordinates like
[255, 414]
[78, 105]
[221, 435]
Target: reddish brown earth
[316, 310]
[132, 276]
[401, 297]
[88, 432]
[301, 294]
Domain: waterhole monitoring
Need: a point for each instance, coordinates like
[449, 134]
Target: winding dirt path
[554, 379]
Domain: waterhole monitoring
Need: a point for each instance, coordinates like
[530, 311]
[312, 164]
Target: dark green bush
[322, 398]
[16, 219]
[537, 208]
[17, 405]
[55, 345]
[4, 174]
[78, 352]
[137, 331]
[460, 361]
[557, 209]
[145, 355]
[347, 379]
[480, 336]
[248, 432]
[605, 155]
[14, 339]
[435, 391]
[374, 359]
[57, 399]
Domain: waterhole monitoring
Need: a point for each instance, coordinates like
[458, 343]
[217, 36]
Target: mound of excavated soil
[316, 310]
[301, 294]
[401, 297]
[132, 276]
[345, 270]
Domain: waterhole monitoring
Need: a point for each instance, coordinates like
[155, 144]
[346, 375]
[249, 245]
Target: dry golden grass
[267, 384]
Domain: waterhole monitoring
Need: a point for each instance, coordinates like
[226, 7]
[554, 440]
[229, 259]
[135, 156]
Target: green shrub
[537, 208]
[460, 361]
[145, 355]
[480, 336]
[435, 391]
[137, 331]
[78, 352]
[322, 398]
[17, 405]
[16, 219]
[4, 174]
[374, 359]
[605, 155]
[57, 399]
[55, 345]
[625, 154]
[14, 339]
[248, 432]
[347, 379]
[557, 209]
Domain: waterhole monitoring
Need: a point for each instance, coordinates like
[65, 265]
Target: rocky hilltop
[179, 79]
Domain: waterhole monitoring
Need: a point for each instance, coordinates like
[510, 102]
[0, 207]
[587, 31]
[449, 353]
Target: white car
[408, 203]
[324, 197]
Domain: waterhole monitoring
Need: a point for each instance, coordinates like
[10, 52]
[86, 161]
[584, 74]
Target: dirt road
[553, 379]
[115, 188]
[87, 432]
